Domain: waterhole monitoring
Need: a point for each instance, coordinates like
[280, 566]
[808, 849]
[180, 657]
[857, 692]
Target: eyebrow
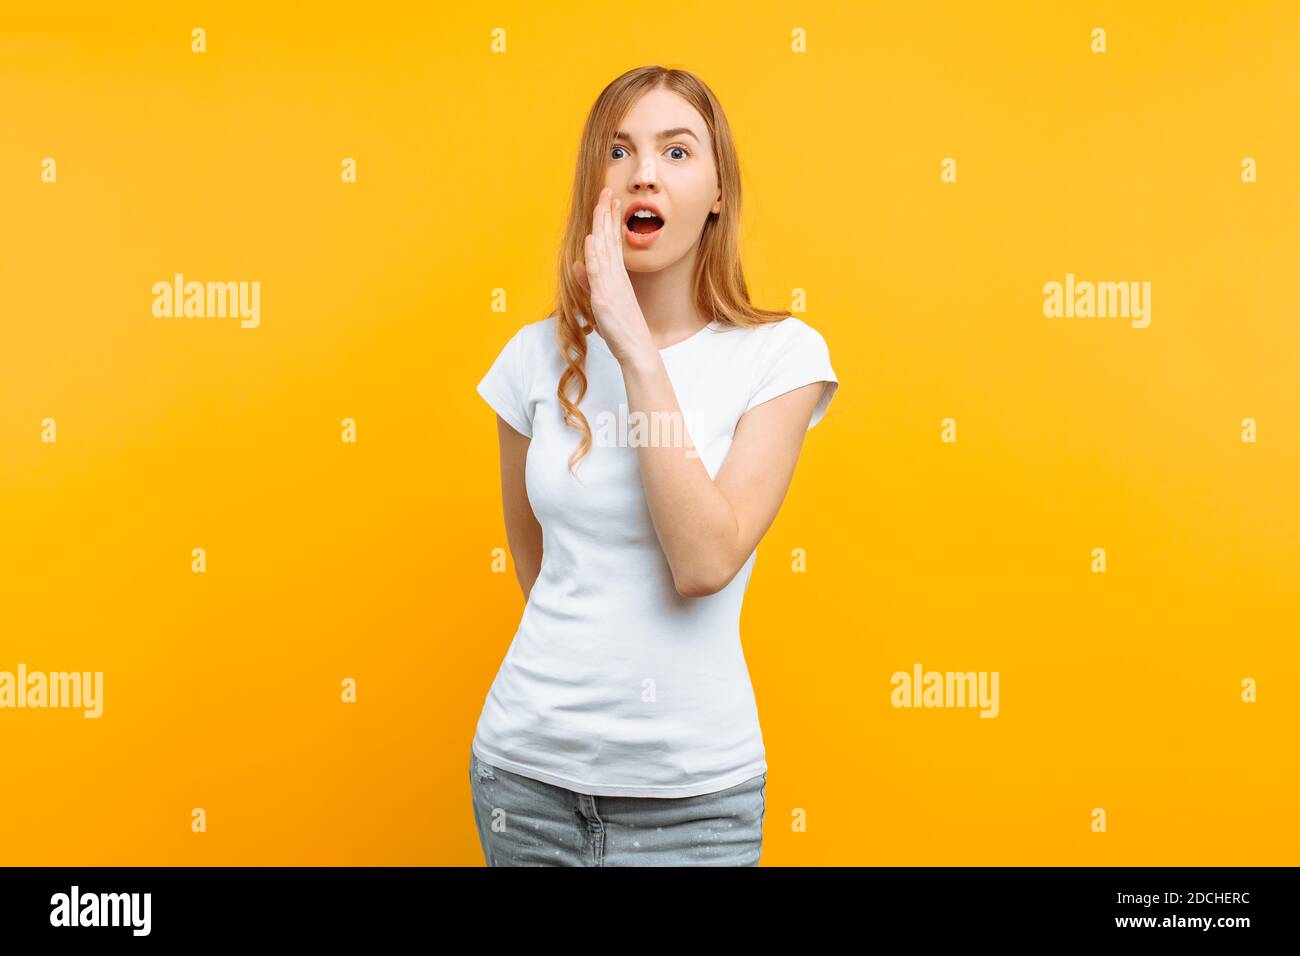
[666, 134]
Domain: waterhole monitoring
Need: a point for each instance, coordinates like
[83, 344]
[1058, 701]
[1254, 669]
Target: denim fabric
[525, 822]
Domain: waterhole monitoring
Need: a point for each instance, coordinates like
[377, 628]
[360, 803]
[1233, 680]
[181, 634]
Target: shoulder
[541, 332]
[793, 328]
[790, 334]
[530, 343]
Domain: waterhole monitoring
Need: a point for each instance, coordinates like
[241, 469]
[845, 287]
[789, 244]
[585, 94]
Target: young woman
[621, 728]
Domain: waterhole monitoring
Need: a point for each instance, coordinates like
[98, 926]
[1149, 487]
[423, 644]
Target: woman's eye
[682, 149]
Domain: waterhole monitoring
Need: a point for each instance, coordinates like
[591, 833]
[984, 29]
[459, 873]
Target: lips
[643, 225]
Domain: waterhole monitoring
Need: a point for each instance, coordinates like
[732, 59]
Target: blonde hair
[719, 288]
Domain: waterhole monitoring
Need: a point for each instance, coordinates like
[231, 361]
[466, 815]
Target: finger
[597, 222]
[602, 244]
[580, 273]
[616, 238]
[609, 227]
[592, 266]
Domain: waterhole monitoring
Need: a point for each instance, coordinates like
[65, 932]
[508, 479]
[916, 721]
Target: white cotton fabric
[615, 684]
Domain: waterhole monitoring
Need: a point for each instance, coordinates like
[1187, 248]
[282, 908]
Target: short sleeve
[797, 356]
[503, 387]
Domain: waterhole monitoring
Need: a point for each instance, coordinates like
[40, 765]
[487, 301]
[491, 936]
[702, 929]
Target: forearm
[695, 523]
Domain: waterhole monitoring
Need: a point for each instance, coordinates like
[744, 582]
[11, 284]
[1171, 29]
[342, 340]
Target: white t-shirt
[615, 684]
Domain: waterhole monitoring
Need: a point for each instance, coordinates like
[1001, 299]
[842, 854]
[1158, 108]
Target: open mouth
[643, 222]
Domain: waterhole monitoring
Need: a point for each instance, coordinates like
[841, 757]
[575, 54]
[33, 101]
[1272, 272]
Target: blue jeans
[525, 822]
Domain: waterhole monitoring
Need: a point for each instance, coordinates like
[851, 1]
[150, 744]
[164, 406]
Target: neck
[665, 300]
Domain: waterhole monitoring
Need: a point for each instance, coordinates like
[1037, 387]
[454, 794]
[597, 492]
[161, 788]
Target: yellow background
[328, 560]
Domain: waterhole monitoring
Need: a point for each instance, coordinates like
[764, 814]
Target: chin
[648, 260]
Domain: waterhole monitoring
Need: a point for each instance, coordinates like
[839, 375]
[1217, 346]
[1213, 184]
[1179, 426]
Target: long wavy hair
[719, 288]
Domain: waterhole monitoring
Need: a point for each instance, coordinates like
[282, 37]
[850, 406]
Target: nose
[645, 175]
